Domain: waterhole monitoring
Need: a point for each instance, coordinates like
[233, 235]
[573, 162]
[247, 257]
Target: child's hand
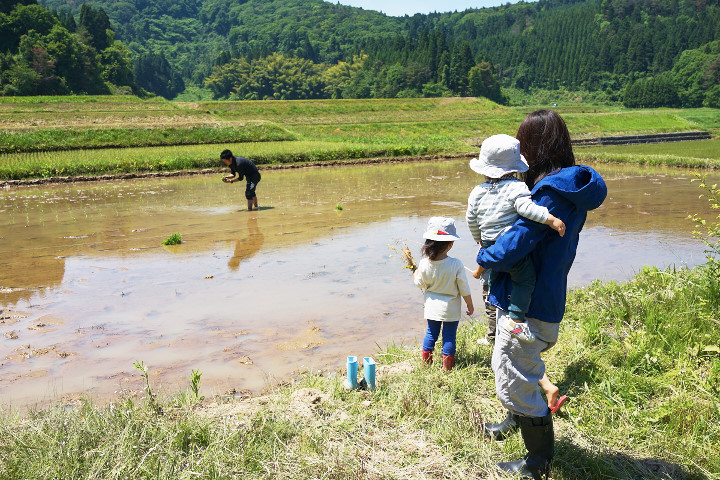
[479, 272]
[556, 224]
[470, 310]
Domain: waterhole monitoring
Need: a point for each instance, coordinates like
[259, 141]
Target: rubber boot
[539, 438]
[448, 362]
[500, 431]
[427, 357]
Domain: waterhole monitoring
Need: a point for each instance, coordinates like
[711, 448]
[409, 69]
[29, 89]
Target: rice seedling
[403, 251]
[174, 239]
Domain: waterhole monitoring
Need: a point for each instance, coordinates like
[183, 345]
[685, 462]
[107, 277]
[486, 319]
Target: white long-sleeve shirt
[443, 282]
[494, 207]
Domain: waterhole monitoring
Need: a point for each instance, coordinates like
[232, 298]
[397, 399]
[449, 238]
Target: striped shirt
[494, 206]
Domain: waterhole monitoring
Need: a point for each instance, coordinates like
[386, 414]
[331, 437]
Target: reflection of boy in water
[242, 167]
[247, 247]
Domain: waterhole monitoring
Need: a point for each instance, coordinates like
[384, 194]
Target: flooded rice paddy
[248, 298]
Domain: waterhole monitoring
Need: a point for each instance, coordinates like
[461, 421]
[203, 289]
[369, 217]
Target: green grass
[356, 128]
[83, 99]
[159, 159]
[638, 360]
[46, 140]
[694, 154]
[174, 239]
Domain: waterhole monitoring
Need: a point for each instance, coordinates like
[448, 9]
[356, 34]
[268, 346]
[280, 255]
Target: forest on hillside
[644, 53]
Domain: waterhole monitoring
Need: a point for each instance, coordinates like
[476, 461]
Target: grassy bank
[640, 361]
[162, 159]
[52, 140]
[44, 126]
[695, 154]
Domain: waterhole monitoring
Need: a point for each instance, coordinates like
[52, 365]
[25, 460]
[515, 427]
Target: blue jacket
[568, 194]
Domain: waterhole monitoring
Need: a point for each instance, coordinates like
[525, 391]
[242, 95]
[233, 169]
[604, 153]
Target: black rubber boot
[539, 438]
[500, 431]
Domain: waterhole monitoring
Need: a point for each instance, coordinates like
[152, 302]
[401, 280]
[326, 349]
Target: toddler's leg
[431, 336]
[522, 275]
[449, 333]
[490, 312]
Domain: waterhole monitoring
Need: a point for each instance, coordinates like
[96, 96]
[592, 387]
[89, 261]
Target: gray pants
[518, 367]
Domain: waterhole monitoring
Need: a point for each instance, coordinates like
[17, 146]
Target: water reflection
[248, 246]
[87, 288]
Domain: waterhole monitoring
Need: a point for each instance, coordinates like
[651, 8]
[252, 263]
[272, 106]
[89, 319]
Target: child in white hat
[442, 279]
[494, 206]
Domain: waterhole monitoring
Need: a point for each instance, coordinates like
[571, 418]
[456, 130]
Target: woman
[568, 191]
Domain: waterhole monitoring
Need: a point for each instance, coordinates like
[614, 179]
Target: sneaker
[519, 330]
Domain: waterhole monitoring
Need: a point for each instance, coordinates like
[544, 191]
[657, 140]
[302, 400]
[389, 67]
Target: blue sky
[397, 8]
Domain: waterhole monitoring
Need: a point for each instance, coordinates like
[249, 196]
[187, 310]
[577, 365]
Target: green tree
[117, 66]
[96, 23]
[338, 77]
[224, 78]
[153, 73]
[6, 6]
[483, 83]
[20, 80]
[697, 72]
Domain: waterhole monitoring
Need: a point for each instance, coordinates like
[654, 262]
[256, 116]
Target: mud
[206, 171]
[252, 298]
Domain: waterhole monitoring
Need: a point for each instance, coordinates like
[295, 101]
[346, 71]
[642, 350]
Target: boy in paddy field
[242, 167]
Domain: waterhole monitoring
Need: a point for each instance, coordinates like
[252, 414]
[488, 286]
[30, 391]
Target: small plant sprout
[338, 207]
[174, 239]
[195, 385]
[151, 396]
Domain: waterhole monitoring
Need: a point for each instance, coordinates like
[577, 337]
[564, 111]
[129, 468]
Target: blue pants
[522, 275]
[449, 329]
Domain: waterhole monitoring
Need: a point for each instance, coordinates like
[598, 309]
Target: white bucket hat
[441, 228]
[499, 155]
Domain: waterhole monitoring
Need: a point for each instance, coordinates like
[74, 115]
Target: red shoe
[427, 357]
[558, 404]
[448, 362]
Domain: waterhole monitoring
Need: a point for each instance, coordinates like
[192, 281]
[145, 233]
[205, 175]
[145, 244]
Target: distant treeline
[641, 52]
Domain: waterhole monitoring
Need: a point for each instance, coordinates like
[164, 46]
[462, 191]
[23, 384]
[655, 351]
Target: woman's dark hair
[433, 248]
[545, 144]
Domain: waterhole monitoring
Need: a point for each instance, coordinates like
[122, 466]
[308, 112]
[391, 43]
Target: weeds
[403, 251]
[709, 231]
[195, 385]
[174, 239]
[644, 404]
[152, 401]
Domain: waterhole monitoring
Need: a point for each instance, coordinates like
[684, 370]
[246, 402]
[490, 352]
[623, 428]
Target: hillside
[600, 46]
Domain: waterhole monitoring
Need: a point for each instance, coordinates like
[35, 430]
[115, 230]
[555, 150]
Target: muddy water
[248, 298]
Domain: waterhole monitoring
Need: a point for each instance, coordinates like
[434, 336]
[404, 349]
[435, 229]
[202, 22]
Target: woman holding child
[568, 191]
